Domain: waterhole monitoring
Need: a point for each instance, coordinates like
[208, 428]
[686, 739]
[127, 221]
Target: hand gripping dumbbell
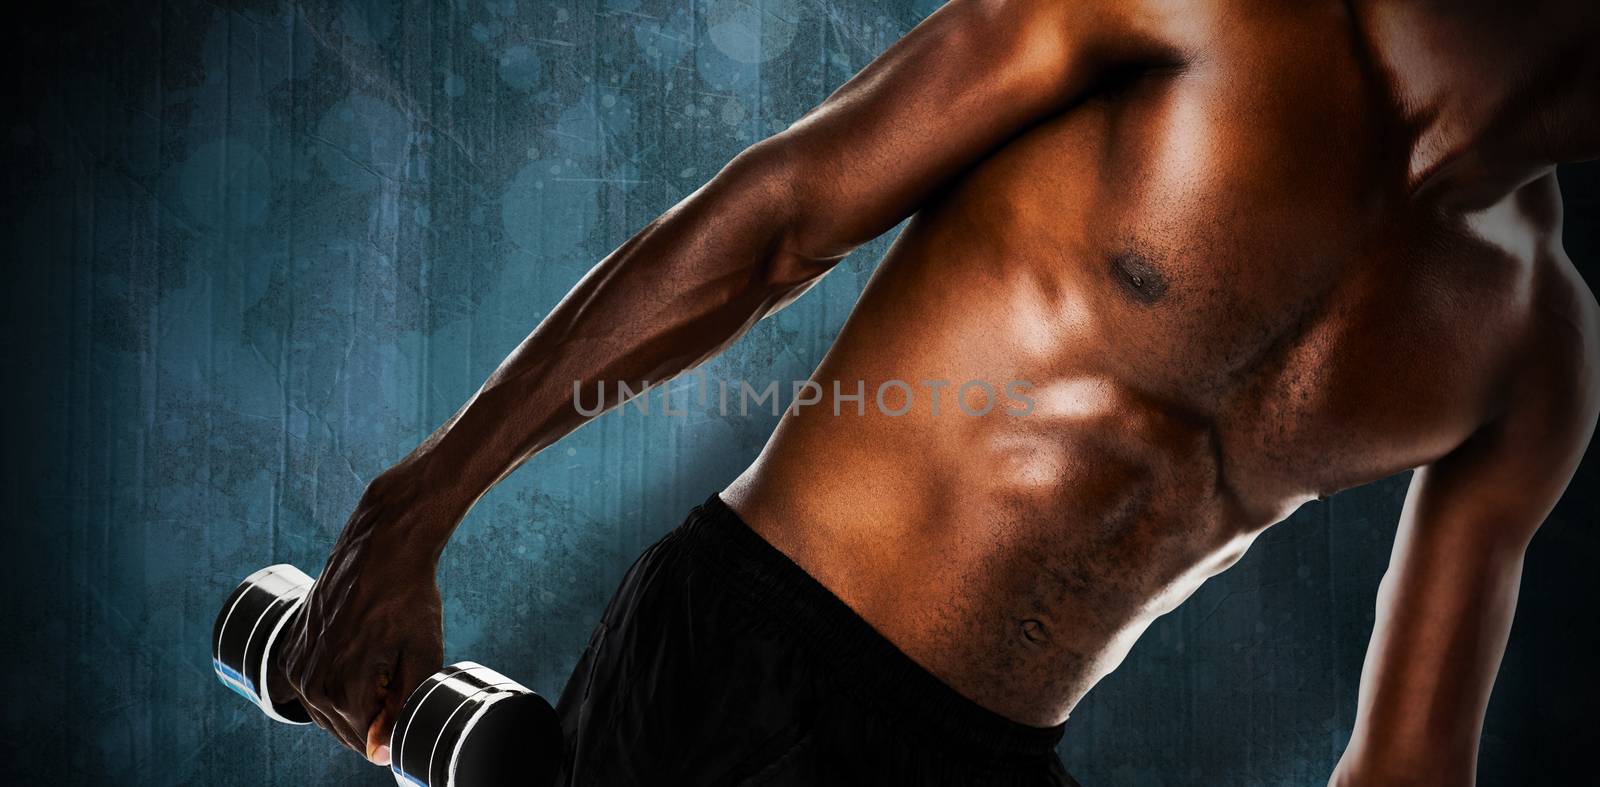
[465, 726]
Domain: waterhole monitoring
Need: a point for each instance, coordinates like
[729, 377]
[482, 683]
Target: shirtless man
[1247, 253]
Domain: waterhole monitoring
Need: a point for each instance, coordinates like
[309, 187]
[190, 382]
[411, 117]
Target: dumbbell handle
[465, 726]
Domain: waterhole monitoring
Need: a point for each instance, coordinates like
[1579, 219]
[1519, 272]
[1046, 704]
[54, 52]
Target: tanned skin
[1247, 253]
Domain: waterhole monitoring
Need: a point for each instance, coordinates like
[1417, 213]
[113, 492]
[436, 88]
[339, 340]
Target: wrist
[1402, 771]
[436, 482]
[411, 512]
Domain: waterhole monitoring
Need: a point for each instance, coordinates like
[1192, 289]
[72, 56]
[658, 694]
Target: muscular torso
[1225, 298]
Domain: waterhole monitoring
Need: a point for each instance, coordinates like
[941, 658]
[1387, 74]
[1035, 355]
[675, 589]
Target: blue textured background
[256, 250]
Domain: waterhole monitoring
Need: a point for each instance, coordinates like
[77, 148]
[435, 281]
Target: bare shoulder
[1555, 354]
[1552, 391]
[1561, 350]
[1505, 479]
[1517, 464]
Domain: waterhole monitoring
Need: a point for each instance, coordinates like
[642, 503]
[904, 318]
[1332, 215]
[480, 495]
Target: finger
[395, 685]
[313, 706]
[348, 719]
[323, 710]
[393, 688]
[363, 702]
[324, 721]
[341, 730]
[412, 666]
[330, 705]
[378, 740]
[316, 717]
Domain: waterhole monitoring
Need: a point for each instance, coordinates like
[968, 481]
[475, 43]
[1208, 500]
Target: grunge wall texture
[255, 250]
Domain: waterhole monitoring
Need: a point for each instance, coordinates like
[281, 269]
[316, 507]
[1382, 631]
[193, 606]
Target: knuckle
[312, 692]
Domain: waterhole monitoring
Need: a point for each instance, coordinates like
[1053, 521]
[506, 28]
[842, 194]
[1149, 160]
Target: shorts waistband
[863, 659]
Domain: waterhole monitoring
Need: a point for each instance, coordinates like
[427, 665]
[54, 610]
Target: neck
[1493, 94]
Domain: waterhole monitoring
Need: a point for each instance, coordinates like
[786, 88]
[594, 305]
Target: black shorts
[721, 663]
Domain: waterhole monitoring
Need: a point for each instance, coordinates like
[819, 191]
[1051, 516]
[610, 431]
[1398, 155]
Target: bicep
[955, 88]
[1443, 615]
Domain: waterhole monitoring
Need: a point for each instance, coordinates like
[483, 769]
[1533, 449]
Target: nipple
[1141, 280]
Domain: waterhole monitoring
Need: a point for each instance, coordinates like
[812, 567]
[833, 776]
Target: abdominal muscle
[1015, 556]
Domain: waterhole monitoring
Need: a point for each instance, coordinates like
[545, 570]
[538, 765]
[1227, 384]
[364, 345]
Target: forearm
[1424, 691]
[1445, 610]
[678, 292]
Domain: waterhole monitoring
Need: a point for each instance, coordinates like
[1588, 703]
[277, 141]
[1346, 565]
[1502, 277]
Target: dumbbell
[465, 726]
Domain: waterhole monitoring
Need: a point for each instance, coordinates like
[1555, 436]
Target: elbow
[774, 193]
[748, 238]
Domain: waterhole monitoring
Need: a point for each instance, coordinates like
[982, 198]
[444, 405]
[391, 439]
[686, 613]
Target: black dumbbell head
[465, 726]
[469, 726]
[245, 637]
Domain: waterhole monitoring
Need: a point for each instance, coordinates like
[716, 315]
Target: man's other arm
[1446, 604]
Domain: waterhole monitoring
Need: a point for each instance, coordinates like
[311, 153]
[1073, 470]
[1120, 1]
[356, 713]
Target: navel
[1139, 278]
[1034, 632]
